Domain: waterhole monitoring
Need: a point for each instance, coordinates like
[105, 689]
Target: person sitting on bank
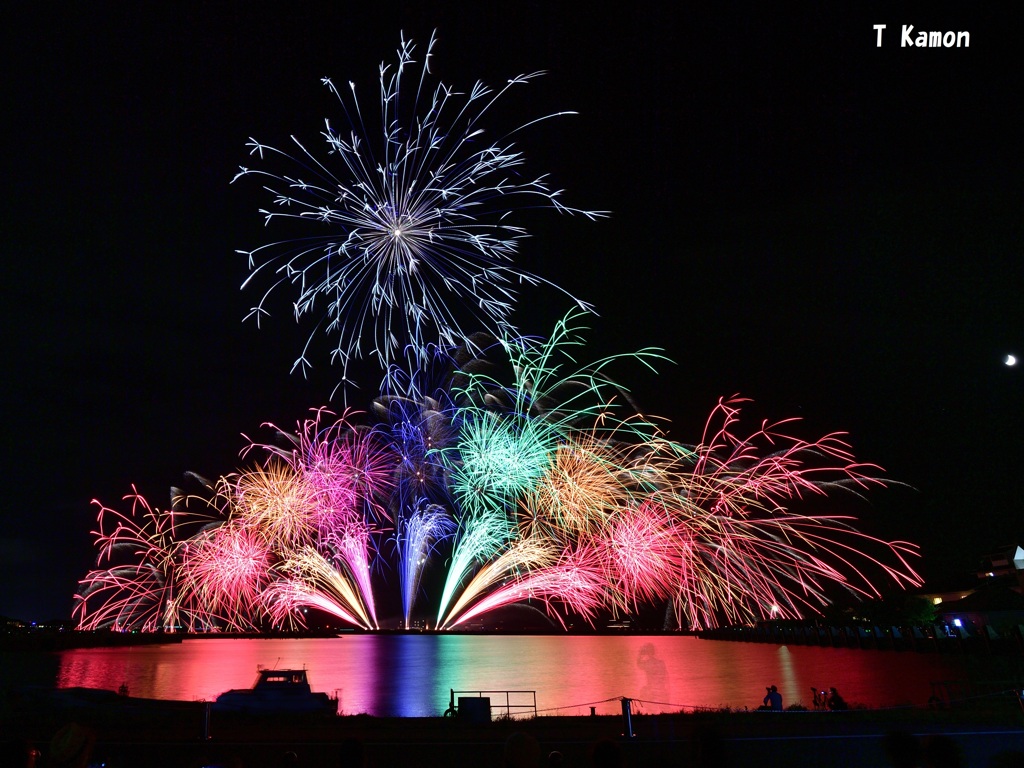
[835, 701]
[820, 698]
[773, 700]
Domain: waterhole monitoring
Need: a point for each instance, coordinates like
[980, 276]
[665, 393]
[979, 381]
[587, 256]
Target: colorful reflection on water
[411, 675]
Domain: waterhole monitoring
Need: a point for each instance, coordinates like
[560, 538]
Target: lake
[411, 675]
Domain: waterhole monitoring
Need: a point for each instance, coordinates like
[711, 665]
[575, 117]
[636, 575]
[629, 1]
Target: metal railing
[525, 705]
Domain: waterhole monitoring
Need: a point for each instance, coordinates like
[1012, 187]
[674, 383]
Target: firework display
[492, 469]
[410, 226]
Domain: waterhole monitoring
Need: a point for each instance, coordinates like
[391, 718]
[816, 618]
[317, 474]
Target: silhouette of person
[521, 751]
[820, 698]
[835, 701]
[773, 700]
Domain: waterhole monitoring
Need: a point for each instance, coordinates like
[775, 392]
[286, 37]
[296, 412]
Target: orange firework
[581, 489]
[276, 500]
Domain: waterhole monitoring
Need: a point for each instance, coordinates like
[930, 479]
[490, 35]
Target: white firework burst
[415, 229]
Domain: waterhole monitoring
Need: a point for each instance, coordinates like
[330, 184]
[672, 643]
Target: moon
[1010, 360]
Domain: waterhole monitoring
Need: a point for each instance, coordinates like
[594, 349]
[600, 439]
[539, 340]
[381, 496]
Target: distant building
[947, 595]
[996, 605]
[1007, 563]
[1003, 568]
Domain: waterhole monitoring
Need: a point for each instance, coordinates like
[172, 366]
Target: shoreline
[41, 639]
[158, 733]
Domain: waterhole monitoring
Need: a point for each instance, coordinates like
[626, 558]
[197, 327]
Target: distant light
[936, 600]
[956, 623]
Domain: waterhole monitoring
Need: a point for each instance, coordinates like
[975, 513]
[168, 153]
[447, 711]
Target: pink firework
[347, 468]
[747, 555]
[307, 579]
[769, 464]
[641, 554]
[134, 583]
[225, 570]
[574, 582]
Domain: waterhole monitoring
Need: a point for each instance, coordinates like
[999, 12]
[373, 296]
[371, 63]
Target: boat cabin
[282, 679]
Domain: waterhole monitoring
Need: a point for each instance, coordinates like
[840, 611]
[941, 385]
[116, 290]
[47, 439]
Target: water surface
[412, 675]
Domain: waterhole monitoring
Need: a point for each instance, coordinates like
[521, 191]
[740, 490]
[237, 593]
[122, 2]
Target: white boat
[277, 690]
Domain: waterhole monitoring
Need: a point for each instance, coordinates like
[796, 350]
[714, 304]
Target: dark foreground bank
[118, 731]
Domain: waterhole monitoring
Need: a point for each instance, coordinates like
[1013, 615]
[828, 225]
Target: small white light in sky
[1010, 360]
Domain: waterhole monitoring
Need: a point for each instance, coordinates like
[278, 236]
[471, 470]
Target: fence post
[627, 718]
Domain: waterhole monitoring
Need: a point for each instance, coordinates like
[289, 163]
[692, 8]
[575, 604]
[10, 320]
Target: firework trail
[138, 594]
[417, 535]
[405, 227]
[416, 430]
[311, 580]
[589, 522]
[522, 469]
[224, 572]
[276, 500]
[748, 556]
[510, 434]
[525, 555]
[581, 489]
[342, 473]
[642, 552]
[574, 582]
[497, 459]
[417, 416]
[345, 471]
[480, 538]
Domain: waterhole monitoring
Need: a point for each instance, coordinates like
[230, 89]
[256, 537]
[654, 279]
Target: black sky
[830, 228]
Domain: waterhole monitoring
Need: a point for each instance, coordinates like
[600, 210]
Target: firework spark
[573, 582]
[225, 571]
[564, 504]
[411, 224]
[415, 540]
[311, 580]
[143, 550]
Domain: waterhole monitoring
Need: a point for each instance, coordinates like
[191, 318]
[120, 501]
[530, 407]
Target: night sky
[828, 227]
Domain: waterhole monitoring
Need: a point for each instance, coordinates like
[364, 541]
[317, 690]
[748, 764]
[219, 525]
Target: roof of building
[991, 597]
